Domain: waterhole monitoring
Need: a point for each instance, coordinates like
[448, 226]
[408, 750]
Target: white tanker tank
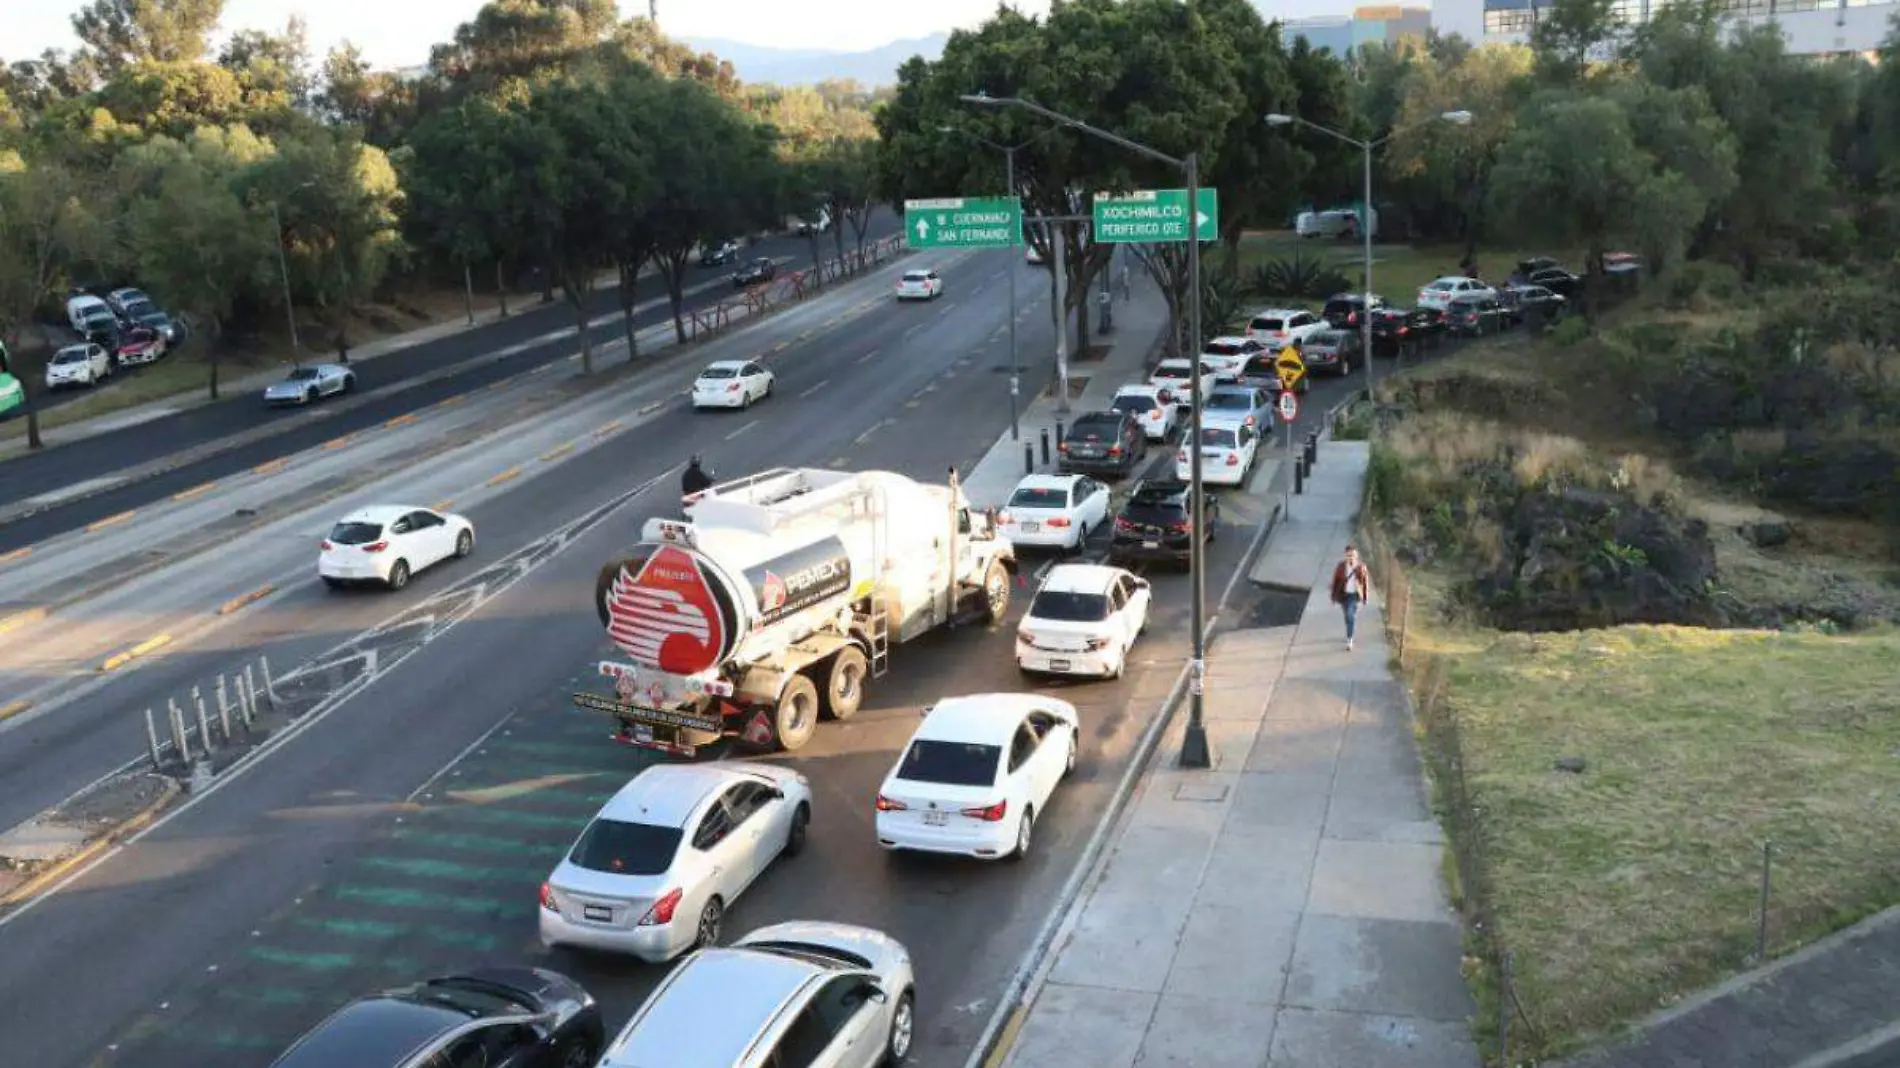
[779, 597]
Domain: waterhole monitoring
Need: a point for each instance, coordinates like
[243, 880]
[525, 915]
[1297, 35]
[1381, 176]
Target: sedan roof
[1081, 578]
[726, 365]
[666, 795]
[380, 513]
[373, 1031]
[988, 718]
[1050, 482]
[711, 1010]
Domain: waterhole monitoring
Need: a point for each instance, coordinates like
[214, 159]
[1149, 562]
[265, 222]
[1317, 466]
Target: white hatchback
[1228, 450]
[656, 869]
[1229, 355]
[919, 285]
[976, 773]
[1438, 293]
[1082, 622]
[1055, 511]
[388, 543]
[1154, 408]
[732, 384]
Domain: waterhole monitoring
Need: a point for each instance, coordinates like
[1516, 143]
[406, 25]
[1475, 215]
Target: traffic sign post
[1289, 408]
[960, 222]
[1148, 215]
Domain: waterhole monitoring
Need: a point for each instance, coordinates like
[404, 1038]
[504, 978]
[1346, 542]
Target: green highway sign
[1147, 215]
[958, 222]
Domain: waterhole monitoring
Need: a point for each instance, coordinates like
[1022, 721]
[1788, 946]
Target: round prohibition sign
[1289, 406]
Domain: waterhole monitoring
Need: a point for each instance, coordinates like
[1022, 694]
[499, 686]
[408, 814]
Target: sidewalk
[1141, 323]
[1286, 907]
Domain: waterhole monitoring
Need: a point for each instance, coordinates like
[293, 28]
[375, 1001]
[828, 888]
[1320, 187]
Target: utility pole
[653, 11]
[283, 270]
[1057, 239]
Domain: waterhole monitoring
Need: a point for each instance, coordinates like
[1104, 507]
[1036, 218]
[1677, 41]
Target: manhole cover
[1204, 792]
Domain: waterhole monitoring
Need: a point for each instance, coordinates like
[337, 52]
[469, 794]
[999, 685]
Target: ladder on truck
[877, 633]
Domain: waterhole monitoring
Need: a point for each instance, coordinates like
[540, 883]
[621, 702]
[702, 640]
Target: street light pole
[1456, 118]
[283, 270]
[1196, 752]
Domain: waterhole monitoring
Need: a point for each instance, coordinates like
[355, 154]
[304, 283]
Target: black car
[1157, 523]
[1260, 373]
[109, 336]
[498, 1017]
[1332, 351]
[1396, 331]
[1103, 443]
[716, 254]
[1555, 279]
[1342, 309]
[1472, 316]
[758, 272]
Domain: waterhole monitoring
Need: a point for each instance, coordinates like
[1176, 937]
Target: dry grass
[1398, 271]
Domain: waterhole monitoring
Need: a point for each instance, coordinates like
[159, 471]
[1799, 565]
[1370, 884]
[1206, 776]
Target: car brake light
[327, 546]
[375, 546]
[1250, 421]
[1062, 446]
[1155, 413]
[1114, 450]
[547, 898]
[992, 814]
[1233, 460]
[1167, 397]
[1179, 528]
[1123, 524]
[1181, 457]
[1059, 522]
[1097, 644]
[887, 804]
[1404, 330]
[661, 913]
[734, 388]
[1005, 517]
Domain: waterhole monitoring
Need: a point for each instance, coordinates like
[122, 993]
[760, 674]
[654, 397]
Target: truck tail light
[1062, 446]
[661, 913]
[1179, 528]
[992, 814]
[890, 804]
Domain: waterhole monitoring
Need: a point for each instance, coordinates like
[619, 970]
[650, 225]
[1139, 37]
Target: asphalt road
[62, 466]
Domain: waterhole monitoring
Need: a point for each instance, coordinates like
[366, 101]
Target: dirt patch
[1092, 354]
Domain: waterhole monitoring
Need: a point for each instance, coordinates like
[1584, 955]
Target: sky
[398, 33]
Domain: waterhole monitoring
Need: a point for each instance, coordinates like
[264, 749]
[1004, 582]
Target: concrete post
[151, 737]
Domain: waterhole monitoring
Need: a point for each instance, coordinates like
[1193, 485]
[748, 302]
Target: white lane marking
[742, 430]
[816, 388]
[875, 427]
[1042, 570]
[947, 309]
[867, 356]
[913, 330]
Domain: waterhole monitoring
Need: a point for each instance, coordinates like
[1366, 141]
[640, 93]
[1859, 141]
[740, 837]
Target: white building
[1812, 27]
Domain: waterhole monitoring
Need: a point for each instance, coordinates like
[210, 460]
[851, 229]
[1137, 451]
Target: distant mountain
[808, 66]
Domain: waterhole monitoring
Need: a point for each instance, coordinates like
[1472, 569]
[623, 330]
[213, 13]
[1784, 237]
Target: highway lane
[58, 746]
[65, 465]
[290, 888]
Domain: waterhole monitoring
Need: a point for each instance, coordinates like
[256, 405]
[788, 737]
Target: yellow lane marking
[511, 473]
[142, 648]
[240, 601]
[110, 521]
[18, 554]
[272, 467]
[406, 417]
[557, 452]
[202, 488]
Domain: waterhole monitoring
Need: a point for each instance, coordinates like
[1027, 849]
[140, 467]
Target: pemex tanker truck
[778, 598]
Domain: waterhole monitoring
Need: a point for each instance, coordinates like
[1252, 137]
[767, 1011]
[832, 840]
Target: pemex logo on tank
[667, 609]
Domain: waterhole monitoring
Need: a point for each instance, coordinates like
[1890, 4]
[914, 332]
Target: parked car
[1227, 355]
[1054, 511]
[140, 344]
[1440, 292]
[1530, 303]
[1280, 327]
[919, 285]
[1399, 330]
[1261, 372]
[756, 273]
[657, 868]
[1157, 523]
[1249, 405]
[1555, 279]
[1228, 449]
[975, 775]
[715, 255]
[123, 301]
[1104, 443]
[732, 384]
[84, 364]
[387, 543]
[1473, 315]
[305, 385]
[498, 1017]
[1332, 351]
[798, 993]
[1083, 621]
[86, 313]
[1174, 376]
[1343, 309]
[1152, 406]
[818, 222]
[146, 314]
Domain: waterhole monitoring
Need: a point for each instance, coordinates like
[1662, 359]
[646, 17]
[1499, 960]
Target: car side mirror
[871, 992]
[1141, 583]
[775, 793]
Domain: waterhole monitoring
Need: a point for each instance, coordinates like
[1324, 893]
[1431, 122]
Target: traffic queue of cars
[122, 328]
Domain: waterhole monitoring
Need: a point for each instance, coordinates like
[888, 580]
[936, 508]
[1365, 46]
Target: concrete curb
[92, 850]
[999, 1034]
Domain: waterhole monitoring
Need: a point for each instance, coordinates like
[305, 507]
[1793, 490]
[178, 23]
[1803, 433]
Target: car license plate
[598, 914]
[936, 819]
[1151, 545]
[642, 734]
[1031, 528]
[1058, 665]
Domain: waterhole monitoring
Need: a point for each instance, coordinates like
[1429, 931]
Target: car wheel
[579, 1053]
[399, 575]
[309, 396]
[464, 543]
[711, 919]
[903, 1029]
[1024, 830]
[1068, 766]
[349, 383]
[745, 404]
[1121, 661]
[796, 716]
[1081, 538]
[995, 592]
[795, 837]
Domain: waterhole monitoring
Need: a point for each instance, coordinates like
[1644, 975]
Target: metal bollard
[1029, 458]
[180, 744]
[151, 736]
[224, 712]
[1299, 475]
[1312, 450]
[1059, 435]
[204, 728]
[270, 683]
[1045, 444]
[245, 712]
[250, 686]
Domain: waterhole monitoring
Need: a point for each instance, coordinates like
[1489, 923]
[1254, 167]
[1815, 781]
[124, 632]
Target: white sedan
[975, 775]
[1082, 622]
[919, 285]
[389, 543]
[732, 384]
[656, 869]
[1055, 511]
[1176, 375]
[1228, 450]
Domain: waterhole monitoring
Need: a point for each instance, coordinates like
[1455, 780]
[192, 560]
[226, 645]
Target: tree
[173, 98]
[510, 40]
[379, 103]
[1449, 164]
[1258, 169]
[272, 71]
[845, 181]
[118, 33]
[44, 229]
[1569, 35]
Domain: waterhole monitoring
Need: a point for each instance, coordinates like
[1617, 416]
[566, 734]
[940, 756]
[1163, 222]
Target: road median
[48, 848]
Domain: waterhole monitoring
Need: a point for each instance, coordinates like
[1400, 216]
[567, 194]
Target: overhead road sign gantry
[963, 222]
[1148, 215]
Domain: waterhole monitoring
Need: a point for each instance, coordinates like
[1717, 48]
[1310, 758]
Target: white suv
[1280, 327]
[1439, 292]
[794, 993]
[1153, 406]
[1172, 375]
[84, 364]
[1229, 355]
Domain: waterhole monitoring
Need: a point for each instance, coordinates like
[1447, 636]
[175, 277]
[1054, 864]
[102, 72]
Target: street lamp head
[980, 98]
[1457, 118]
[1277, 119]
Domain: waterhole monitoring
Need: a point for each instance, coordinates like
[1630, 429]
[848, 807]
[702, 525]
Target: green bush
[1698, 283]
[1298, 275]
[1570, 331]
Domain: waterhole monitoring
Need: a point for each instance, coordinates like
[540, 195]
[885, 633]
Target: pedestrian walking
[1352, 584]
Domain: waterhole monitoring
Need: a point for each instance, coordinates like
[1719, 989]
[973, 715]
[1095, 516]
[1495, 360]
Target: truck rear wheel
[995, 592]
[796, 717]
[844, 683]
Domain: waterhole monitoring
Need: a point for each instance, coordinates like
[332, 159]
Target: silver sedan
[304, 385]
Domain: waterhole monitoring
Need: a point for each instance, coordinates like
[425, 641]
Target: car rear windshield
[70, 356]
[1224, 348]
[950, 763]
[1264, 323]
[916, 276]
[1176, 370]
[1034, 497]
[1231, 402]
[356, 533]
[1215, 437]
[717, 372]
[621, 848]
[1067, 606]
[1097, 426]
[1327, 339]
[1154, 513]
[1260, 367]
[1134, 404]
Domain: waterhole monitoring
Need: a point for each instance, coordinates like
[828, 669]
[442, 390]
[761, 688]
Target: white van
[85, 312]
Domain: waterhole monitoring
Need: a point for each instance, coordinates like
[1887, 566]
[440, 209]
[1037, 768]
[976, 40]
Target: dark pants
[1351, 607]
